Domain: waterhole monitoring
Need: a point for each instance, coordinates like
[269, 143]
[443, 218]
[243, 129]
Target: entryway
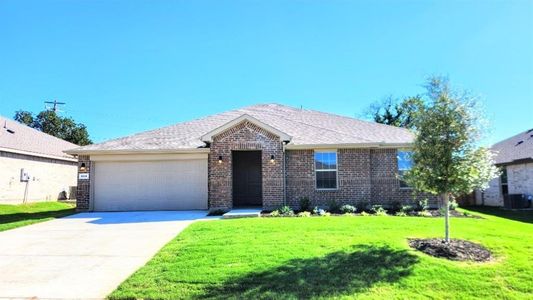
[247, 179]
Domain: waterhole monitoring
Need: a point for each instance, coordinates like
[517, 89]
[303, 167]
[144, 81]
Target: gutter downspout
[284, 176]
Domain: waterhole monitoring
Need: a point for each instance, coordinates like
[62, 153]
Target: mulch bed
[459, 250]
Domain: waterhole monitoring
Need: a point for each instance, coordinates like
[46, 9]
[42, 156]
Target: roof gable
[208, 137]
[514, 149]
[306, 128]
[19, 138]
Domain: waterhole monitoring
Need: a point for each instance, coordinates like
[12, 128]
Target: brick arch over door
[245, 136]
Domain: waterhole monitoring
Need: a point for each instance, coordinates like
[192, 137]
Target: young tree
[391, 111]
[446, 158]
[49, 122]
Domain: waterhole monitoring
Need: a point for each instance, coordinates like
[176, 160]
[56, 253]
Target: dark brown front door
[247, 178]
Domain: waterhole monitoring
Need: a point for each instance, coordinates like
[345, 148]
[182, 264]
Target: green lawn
[12, 216]
[337, 257]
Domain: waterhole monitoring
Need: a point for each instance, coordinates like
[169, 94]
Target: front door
[247, 178]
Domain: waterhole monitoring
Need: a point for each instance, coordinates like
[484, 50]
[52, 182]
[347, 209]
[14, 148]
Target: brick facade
[245, 136]
[83, 193]
[365, 176]
[519, 181]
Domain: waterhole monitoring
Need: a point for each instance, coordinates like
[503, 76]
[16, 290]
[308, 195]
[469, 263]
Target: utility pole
[55, 103]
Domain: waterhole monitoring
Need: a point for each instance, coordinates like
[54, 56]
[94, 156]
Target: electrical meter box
[24, 175]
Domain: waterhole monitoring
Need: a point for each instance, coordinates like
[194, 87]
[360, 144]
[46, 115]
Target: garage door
[150, 185]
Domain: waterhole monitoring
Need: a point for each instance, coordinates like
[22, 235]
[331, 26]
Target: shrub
[304, 214]
[364, 213]
[379, 210]
[216, 212]
[423, 204]
[286, 211]
[275, 213]
[364, 206]
[305, 204]
[400, 214]
[453, 204]
[333, 206]
[396, 206]
[348, 209]
[424, 213]
[406, 209]
[320, 212]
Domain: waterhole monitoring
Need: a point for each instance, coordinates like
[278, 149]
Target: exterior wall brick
[519, 181]
[365, 176]
[83, 195]
[245, 136]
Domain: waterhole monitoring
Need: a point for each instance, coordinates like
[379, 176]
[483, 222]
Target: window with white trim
[326, 170]
[405, 163]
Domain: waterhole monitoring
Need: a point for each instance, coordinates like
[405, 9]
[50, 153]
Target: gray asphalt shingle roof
[17, 137]
[518, 147]
[307, 127]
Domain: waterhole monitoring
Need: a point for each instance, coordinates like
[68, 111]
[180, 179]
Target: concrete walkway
[84, 256]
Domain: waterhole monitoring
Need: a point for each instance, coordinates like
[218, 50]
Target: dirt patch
[459, 250]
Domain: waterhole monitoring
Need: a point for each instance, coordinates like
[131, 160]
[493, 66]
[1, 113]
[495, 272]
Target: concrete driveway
[84, 256]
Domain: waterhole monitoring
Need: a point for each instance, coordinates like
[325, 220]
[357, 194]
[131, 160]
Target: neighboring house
[262, 155]
[33, 166]
[514, 156]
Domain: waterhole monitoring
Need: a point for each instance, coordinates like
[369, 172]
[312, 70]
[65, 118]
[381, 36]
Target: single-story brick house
[263, 155]
[514, 156]
[33, 166]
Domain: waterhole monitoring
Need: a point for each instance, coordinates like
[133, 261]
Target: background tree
[49, 122]
[400, 113]
[446, 158]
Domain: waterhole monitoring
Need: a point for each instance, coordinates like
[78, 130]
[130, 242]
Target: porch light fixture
[83, 168]
[220, 159]
[272, 158]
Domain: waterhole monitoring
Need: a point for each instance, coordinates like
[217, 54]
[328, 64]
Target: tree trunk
[446, 198]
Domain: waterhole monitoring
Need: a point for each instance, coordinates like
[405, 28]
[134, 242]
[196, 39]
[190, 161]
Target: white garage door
[150, 185]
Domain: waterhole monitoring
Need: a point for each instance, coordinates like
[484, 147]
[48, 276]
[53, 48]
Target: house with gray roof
[33, 165]
[265, 155]
[514, 156]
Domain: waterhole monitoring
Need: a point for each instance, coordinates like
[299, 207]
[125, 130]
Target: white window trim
[323, 170]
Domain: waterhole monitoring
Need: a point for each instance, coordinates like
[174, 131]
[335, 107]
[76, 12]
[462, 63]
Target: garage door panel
[150, 185]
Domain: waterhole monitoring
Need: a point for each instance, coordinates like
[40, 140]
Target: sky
[127, 66]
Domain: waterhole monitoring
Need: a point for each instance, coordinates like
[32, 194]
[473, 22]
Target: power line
[55, 103]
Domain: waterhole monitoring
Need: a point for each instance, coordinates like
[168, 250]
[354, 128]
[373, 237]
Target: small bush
[348, 209]
[305, 204]
[406, 209]
[423, 204]
[396, 206]
[364, 214]
[304, 214]
[364, 206]
[275, 213]
[216, 212]
[348, 214]
[424, 213]
[320, 212]
[400, 214]
[379, 210]
[453, 205]
[286, 211]
[333, 206]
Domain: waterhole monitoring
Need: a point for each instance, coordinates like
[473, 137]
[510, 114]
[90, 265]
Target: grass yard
[12, 216]
[337, 257]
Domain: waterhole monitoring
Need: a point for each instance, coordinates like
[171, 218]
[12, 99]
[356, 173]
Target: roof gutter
[349, 146]
[22, 152]
[137, 151]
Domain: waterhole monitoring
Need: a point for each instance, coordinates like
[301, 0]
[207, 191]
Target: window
[405, 163]
[326, 170]
[503, 181]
